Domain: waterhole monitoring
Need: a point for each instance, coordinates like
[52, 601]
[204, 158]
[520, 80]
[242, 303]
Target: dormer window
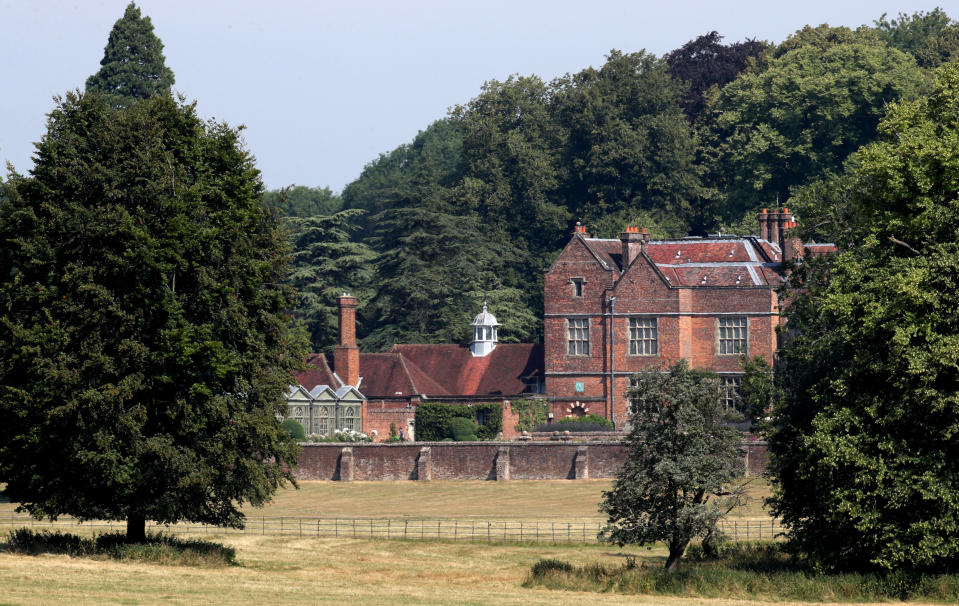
[577, 284]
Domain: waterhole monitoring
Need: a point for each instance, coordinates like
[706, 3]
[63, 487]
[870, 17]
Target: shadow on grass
[743, 571]
[157, 549]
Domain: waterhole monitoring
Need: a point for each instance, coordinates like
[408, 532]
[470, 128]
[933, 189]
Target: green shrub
[158, 548]
[549, 565]
[293, 427]
[433, 420]
[589, 419]
[744, 571]
[572, 427]
[463, 429]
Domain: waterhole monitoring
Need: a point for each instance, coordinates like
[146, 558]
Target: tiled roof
[713, 261]
[501, 372]
[435, 371]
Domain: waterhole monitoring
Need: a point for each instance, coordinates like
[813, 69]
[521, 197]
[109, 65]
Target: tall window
[322, 420]
[577, 286]
[578, 336]
[482, 417]
[732, 335]
[731, 396]
[350, 417]
[643, 337]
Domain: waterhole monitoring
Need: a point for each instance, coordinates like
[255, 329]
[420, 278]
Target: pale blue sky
[324, 87]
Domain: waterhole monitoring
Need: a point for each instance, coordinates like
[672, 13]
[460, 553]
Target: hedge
[433, 420]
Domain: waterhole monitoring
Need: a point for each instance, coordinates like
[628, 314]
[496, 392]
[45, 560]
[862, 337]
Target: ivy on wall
[531, 413]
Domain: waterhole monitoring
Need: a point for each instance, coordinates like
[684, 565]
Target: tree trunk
[676, 550]
[136, 529]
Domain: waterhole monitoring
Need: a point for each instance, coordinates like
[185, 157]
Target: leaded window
[731, 392]
[643, 337]
[350, 418]
[578, 336]
[298, 412]
[322, 419]
[732, 335]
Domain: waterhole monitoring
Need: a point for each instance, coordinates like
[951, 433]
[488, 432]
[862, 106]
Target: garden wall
[476, 460]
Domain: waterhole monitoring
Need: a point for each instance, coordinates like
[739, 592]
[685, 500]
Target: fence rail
[417, 529]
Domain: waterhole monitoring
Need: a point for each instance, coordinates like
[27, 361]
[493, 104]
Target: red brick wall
[476, 460]
[689, 335]
[378, 417]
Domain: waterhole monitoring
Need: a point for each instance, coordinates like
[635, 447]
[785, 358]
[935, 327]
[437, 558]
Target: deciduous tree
[868, 424]
[681, 453]
[799, 120]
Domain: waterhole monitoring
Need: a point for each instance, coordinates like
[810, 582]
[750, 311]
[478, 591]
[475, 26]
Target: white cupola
[484, 333]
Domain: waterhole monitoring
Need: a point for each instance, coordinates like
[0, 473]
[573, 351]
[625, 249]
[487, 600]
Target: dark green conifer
[133, 66]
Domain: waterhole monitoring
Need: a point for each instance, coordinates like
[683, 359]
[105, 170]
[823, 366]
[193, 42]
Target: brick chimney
[633, 241]
[346, 355]
[580, 230]
[791, 245]
[772, 222]
[764, 225]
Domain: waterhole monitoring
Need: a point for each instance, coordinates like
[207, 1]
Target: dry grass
[559, 500]
[288, 570]
[515, 500]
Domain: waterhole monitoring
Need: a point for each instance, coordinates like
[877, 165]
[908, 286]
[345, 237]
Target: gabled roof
[731, 261]
[435, 371]
[459, 373]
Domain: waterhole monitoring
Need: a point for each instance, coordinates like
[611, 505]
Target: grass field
[565, 500]
[515, 500]
[287, 570]
[294, 570]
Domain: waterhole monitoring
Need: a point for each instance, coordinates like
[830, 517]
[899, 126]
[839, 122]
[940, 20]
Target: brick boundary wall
[476, 460]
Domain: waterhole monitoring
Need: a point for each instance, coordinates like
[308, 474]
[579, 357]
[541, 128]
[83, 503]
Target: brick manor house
[612, 307]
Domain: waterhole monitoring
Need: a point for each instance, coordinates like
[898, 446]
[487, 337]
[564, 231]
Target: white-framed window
[350, 418]
[730, 391]
[578, 336]
[643, 337]
[733, 335]
[298, 412]
[323, 419]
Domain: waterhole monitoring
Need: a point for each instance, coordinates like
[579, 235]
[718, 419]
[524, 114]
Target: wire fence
[410, 529]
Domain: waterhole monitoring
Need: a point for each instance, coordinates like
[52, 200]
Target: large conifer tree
[145, 336]
[133, 66]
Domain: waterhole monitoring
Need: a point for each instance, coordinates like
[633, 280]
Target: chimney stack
[772, 226]
[346, 355]
[580, 230]
[634, 241]
[764, 225]
[791, 246]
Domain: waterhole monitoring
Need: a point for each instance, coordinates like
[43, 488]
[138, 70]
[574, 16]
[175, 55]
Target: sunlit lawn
[290, 570]
[559, 500]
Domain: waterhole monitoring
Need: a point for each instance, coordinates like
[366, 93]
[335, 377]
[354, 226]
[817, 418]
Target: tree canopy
[798, 120]
[133, 66]
[870, 410]
[705, 63]
[145, 341]
[681, 452]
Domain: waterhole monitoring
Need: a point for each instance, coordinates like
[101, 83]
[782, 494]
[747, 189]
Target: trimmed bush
[463, 429]
[433, 420]
[589, 419]
[293, 427]
[572, 427]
